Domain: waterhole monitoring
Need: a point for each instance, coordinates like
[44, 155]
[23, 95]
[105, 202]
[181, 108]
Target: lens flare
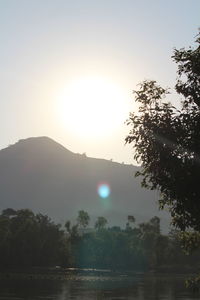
[103, 190]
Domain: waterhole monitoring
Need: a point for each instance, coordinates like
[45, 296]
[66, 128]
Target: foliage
[140, 247]
[131, 219]
[83, 219]
[28, 239]
[100, 223]
[167, 140]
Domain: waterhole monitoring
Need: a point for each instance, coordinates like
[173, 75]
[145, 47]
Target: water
[91, 287]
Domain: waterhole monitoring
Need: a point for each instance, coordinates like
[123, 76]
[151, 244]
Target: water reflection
[138, 287]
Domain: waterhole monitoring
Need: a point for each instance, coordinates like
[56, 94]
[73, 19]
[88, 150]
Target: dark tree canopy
[32, 240]
[83, 218]
[100, 223]
[28, 239]
[166, 140]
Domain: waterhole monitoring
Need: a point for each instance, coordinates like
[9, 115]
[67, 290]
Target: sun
[92, 107]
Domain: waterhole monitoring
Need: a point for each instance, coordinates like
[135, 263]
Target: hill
[40, 174]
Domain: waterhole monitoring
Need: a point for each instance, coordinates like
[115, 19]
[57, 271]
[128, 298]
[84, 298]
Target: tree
[131, 220]
[166, 140]
[9, 212]
[83, 218]
[30, 240]
[150, 238]
[100, 223]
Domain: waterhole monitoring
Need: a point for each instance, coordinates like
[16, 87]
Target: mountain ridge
[41, 174]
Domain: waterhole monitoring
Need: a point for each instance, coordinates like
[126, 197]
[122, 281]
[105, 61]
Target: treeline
[28, 239]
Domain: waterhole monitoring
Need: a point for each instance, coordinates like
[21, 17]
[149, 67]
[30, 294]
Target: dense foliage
[166, 141]
[28, 239]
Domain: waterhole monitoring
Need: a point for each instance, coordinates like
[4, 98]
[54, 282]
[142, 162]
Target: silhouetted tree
[131, 221]
[166, 140]
[9, 212]
[100, 223]
[30, 240]
[83, 218]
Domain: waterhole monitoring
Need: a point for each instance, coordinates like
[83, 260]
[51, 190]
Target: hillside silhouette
[40, 174]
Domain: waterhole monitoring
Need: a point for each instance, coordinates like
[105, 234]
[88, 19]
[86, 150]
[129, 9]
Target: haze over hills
[40, 174]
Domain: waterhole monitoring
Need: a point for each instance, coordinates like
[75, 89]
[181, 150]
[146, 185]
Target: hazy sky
[48, 44]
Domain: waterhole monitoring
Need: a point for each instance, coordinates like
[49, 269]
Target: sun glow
[92, 107]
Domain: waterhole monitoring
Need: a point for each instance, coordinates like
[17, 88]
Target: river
[89, 287]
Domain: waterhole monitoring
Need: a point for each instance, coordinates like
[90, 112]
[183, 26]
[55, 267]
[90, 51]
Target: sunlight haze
[68, 68]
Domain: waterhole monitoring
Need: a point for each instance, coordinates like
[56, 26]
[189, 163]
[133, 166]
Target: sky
[68, 68]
